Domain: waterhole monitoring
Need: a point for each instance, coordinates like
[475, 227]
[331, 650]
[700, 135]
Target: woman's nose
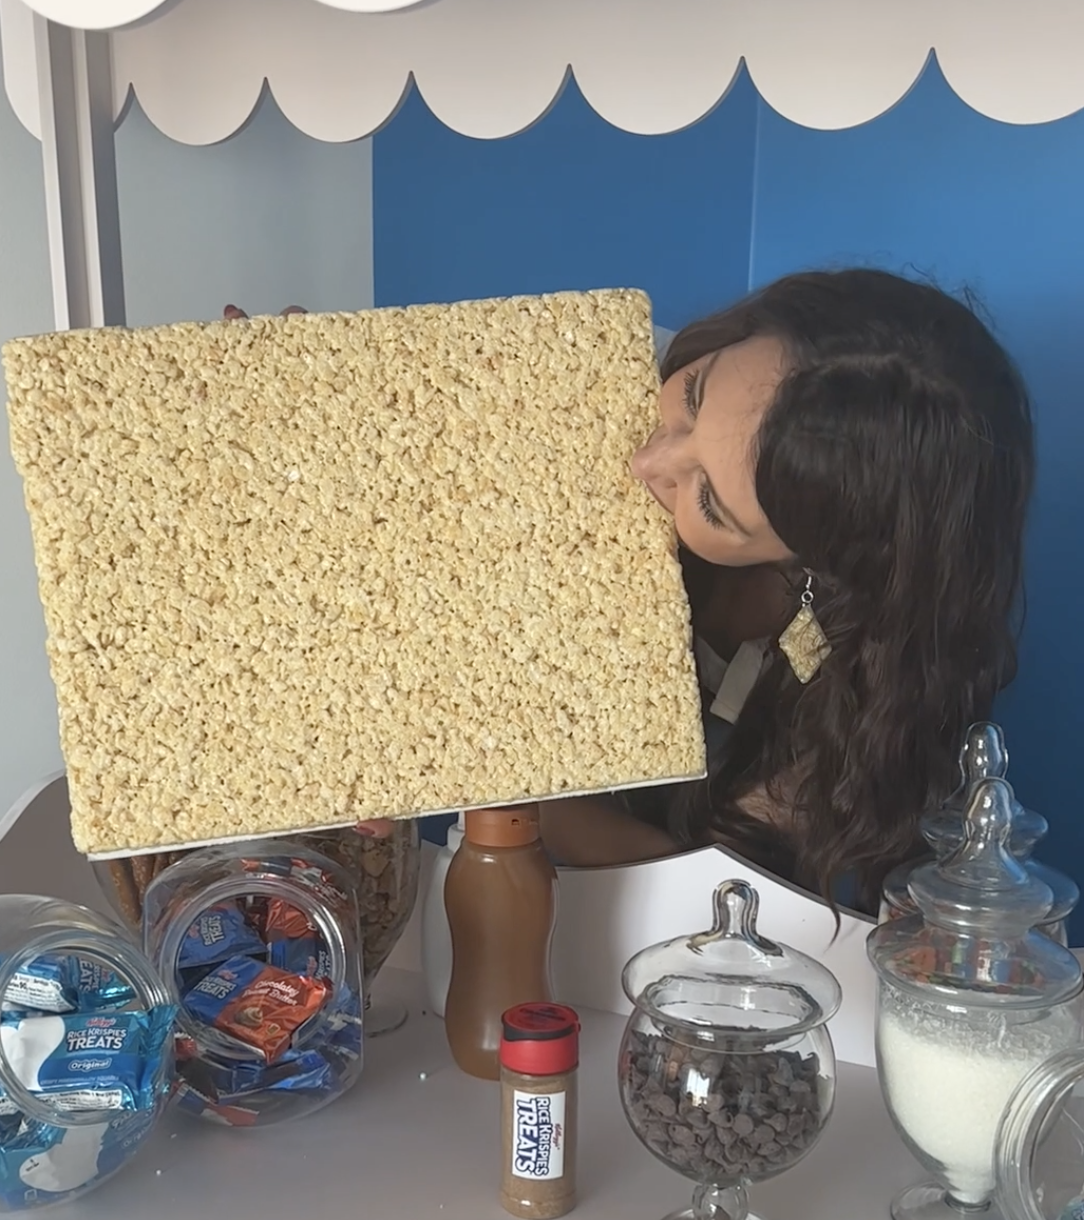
[652, 462]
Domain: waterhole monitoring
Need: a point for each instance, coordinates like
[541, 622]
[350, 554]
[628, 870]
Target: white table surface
[400, 1147]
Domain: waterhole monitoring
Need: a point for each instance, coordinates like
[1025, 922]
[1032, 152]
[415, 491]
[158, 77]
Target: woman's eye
[703, 496]
[692, 406]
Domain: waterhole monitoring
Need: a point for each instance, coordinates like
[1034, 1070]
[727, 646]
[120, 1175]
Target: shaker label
[538, 1135]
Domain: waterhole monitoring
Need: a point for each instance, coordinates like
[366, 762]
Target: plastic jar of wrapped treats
[86, 1050]
[384, 873]
[261, 944]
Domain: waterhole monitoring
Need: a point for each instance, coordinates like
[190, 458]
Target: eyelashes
[691, 405]
[703, 492]
[703, 498]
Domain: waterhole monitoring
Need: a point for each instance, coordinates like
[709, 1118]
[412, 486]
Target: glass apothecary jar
[384, 872]
[971, 1000]
[983, 756]
[261, 944]
[727, 1071]
[86, 1050]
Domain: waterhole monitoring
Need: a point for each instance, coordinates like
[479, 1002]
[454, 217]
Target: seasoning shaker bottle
[983, 756]
[436, 935]
[539, 1058]
[971, 999]
[501, 899]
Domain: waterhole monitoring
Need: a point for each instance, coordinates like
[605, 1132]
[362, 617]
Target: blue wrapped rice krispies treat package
[42, 1164]
[89, 1061]
[52, 983]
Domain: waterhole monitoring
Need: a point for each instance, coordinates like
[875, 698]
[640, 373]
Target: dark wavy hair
[896, 463]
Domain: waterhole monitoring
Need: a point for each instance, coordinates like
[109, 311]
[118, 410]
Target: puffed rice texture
[303, 571]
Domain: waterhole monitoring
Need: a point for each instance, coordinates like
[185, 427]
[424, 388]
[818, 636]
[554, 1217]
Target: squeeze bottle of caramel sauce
[501, 899]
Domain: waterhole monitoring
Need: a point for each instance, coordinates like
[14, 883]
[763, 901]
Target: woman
[857, 444]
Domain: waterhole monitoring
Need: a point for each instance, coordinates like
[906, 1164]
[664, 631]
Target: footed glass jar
[261, 944]
[86, 1051]
[971, 1000]
[386, 871]
[984, 756]
[727, 1071]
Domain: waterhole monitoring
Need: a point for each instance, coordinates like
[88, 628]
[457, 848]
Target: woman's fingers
[232, 313]
[379, 828]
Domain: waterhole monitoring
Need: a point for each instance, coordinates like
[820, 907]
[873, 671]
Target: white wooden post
[75, 89]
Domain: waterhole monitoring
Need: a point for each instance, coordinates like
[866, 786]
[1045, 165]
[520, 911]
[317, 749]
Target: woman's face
[700, 462]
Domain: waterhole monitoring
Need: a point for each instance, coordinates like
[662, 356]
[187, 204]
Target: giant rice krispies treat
[308, 570]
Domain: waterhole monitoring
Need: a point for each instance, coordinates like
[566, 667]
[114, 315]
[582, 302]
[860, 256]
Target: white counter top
[405, 1148]
[400, 1147]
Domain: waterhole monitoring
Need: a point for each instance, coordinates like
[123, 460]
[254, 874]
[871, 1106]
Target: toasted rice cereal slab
[299, 572]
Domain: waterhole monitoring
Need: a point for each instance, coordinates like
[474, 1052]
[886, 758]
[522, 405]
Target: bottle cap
[502, 827]
[540, 1039]
[455, 834]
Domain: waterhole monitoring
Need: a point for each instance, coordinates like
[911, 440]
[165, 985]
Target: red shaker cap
[540, 1039]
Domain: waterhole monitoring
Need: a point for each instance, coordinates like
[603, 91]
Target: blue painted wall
[935, 186]
[570, 203]
[744, 196]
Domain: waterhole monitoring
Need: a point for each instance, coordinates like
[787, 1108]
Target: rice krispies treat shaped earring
[804, 643]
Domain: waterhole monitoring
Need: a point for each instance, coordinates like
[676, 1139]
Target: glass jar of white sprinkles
[971, 1001]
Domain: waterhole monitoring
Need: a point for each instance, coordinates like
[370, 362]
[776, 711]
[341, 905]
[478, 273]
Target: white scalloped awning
[111, 14]
[490, 68]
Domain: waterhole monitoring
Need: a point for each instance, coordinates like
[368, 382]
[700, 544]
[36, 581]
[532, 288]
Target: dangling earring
[804, 643]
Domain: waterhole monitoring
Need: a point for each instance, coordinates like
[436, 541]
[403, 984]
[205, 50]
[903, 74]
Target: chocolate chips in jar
[713, 1113]
[726, 1066]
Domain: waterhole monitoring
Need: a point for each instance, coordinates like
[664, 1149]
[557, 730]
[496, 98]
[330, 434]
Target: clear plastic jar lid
[1039, 1154]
